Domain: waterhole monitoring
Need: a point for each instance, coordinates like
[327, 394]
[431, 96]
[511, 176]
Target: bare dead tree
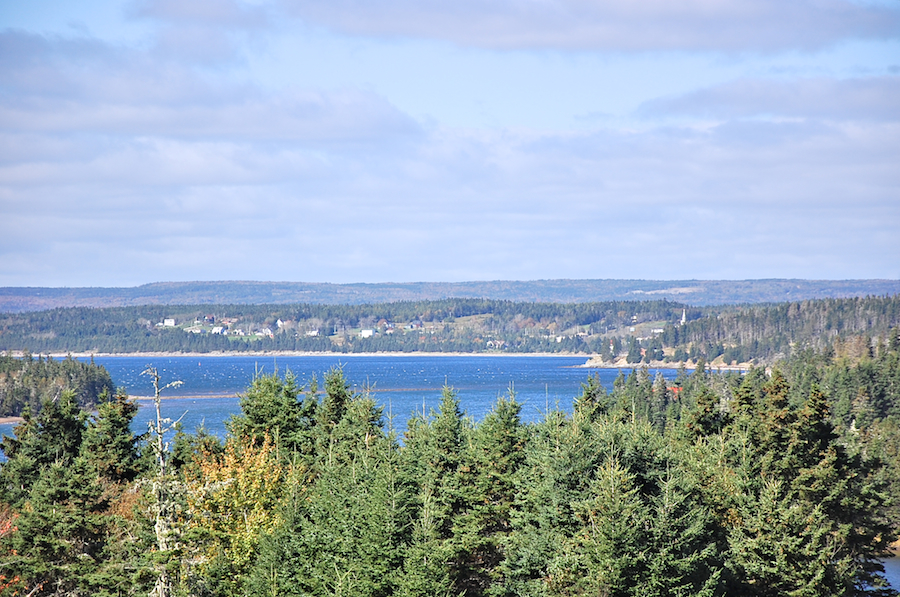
[165, 503]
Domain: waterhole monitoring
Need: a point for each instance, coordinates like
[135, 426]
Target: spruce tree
[431, 459]
[272, 406]
[345, 534]
[489, 475]
[561, 459]
[60, 540]
[109, 445]
[53, 435]
[612, 542]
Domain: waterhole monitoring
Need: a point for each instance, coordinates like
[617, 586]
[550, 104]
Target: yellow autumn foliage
[233, 499]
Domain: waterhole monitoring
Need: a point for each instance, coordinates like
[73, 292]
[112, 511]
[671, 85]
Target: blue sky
[416, 140]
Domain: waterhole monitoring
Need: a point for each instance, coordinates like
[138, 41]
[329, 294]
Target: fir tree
[431, 460]
[53, 435]
[489, 476]
[60, 540]
[346, 536]
[272, 406]
[109, 444]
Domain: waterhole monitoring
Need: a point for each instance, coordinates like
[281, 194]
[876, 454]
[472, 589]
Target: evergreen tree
[773, 432]
[612, 542]
[659, 403]
[60, 539]
[489, 476]
[109, 444]
[337, 398]
[271, 406]
[431, 460]
[684, 558]
[706, 417]
[562, 456]
[53, 435]
[594, 400]
[810, 519]
[346, 536]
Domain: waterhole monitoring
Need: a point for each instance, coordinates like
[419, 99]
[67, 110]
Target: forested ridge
[774, 331]
[779, 482]
[638, 331]
[696, 292]
[25, 383]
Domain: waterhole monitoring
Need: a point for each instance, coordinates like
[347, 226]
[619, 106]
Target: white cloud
[302, 116]
[223, 13]
[616, 25]
[76, 86]
[124, 165]
[871, 98]
[797, 200]
[207, 32]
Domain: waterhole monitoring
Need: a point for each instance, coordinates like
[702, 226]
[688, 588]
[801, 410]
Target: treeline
[25, 383]
[761, 331]
[714, 484]
[522, 327]
[699, 292]
[648, 331]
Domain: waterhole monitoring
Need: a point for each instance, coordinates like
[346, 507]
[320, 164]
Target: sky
[416, 140]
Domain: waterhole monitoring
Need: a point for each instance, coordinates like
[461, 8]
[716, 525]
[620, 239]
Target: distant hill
[693, 292]
[647, 331]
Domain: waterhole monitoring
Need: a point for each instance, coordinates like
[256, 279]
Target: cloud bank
[167, 159]
[867, 99]
[612, 25]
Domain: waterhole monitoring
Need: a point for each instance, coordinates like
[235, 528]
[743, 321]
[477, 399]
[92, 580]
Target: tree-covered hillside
[632, 331]
[694, 292]
[772, 331]
[25, 383]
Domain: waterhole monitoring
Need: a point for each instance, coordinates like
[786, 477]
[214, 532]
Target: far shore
[592, 361]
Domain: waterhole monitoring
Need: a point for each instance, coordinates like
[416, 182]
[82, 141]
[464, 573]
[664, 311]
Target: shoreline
[165, 397]
[592, 361]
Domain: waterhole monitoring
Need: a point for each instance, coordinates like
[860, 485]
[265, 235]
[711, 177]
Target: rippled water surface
[401, 384]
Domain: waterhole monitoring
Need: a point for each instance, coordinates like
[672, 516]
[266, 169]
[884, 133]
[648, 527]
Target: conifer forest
[645, 331]
[781, 480]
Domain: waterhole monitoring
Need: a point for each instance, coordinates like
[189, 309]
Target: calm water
[402, 384]
[892, 571]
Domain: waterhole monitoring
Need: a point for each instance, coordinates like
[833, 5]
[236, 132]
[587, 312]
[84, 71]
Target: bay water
[402, 385]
